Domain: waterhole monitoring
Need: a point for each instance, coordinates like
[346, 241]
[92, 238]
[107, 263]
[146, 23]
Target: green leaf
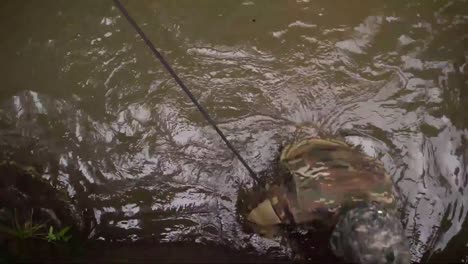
[51, 236]
[63, 231]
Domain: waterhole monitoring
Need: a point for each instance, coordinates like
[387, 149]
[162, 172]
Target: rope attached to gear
[184, 88]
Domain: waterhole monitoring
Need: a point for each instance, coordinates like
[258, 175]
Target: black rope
[182, 85]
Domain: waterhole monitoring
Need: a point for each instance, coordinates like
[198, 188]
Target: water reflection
[111, 128]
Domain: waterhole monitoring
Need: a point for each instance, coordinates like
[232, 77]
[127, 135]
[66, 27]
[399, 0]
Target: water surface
[82, 95]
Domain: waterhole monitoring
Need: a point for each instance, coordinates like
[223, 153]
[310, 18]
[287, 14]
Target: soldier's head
[370, 234]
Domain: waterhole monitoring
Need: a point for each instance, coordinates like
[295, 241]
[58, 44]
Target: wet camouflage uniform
[332, 184]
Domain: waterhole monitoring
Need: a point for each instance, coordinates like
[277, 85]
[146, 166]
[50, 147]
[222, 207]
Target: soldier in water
[326, 183]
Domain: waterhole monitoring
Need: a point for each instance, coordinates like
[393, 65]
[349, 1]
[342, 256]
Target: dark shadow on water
[179, 252]
[138, 252]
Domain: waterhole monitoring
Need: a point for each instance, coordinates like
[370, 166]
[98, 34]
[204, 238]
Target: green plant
[27, 230]
[60, 236]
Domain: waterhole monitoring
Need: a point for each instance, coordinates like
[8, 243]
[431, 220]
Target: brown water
[82, 95]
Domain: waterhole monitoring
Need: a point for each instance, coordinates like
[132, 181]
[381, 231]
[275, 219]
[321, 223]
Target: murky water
[82, 95]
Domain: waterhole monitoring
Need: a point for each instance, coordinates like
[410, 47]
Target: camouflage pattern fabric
[319, 177]
[332, 184]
